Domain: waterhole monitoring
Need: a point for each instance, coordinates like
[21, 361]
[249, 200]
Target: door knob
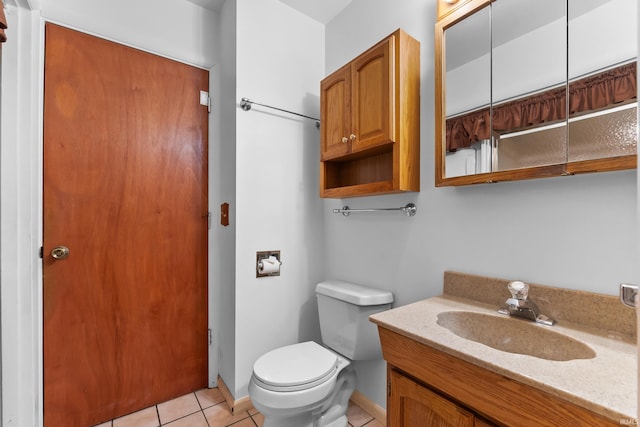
[60, 252]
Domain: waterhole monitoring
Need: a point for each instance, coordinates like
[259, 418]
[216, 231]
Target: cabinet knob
[344, 139]
[352, 137]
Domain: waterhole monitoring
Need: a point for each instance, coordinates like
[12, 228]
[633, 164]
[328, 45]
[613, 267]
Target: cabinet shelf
[370, 122]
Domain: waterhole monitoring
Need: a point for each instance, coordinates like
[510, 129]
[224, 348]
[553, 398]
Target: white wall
[576, 232]
[177, 29]
[222, 173]
[20, 216]
[280, 62]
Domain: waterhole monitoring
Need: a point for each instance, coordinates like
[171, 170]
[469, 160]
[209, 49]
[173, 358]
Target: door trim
[21, 218]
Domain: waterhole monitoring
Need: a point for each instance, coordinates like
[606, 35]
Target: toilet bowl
[292, 385]
[309, 385]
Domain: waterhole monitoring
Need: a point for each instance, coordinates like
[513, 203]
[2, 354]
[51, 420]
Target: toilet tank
[344, 309]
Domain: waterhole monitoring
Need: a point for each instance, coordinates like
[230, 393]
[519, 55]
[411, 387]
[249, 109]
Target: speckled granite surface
[589, 309]
[605, 384]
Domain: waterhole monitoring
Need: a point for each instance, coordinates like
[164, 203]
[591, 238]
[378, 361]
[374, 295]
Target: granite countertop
[605, 384]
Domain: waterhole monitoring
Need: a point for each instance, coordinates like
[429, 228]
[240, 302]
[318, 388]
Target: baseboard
[371, 407]
[244, 403]
[236, 406]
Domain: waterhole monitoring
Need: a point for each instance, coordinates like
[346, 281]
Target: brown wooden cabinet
[370, 122]
[428, 387]
[412, 404]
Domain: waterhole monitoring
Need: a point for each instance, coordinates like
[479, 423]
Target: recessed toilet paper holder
[268, 263]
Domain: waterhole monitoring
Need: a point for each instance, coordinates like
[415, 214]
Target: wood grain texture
[414, 405]
[445, 8]
[603, 165]
[406, 173]
[492, 396]
[373, 97]
[384, 116]
[335, 111]
[125, 188]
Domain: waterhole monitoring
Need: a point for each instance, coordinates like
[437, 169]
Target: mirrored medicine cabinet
[535, 88]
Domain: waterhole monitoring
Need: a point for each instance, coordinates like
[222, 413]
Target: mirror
[468, 91]
[602, 78]
[529, 74]
[533, 88]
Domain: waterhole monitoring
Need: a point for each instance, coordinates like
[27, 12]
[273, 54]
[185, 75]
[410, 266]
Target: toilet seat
[295, 367]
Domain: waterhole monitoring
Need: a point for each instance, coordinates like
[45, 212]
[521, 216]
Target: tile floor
[207, 408]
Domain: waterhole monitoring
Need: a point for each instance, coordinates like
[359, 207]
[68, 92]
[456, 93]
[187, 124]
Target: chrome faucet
[519, 306]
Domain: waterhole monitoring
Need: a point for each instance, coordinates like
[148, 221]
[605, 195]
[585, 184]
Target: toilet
[309, 385]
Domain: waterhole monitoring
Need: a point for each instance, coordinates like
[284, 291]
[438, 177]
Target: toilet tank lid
[353, 293]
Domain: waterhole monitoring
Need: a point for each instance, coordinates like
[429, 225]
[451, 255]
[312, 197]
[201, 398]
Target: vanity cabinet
[412, 404]
[370, 122]
[428, 387]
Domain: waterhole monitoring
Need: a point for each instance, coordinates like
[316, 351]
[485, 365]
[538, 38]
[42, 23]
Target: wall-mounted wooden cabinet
[370, 122]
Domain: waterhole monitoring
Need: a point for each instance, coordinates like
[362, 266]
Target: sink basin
[514, 336]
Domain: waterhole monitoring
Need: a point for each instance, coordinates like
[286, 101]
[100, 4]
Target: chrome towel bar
[410, 210]
[245, 104]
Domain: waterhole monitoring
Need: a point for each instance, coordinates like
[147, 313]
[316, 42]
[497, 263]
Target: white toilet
[308, 385]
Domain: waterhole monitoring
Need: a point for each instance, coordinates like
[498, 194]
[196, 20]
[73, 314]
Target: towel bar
[410, 209]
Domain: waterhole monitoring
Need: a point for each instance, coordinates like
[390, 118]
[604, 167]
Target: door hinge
[389, 388]
[210, 337]
[205, 99]
[41, 252]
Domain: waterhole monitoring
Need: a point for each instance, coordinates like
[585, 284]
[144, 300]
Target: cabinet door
[335, 105]
[373, 97]
[412, 405]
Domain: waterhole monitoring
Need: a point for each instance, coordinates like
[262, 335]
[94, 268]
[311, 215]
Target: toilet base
[302, 420]
[333, 413]
[340, 422]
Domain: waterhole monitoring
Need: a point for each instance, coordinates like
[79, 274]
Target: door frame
[21, 216]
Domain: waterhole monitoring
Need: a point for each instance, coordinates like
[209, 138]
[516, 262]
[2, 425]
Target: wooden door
[335, 100]
[412, 405]
[373, 96]
[125, 189]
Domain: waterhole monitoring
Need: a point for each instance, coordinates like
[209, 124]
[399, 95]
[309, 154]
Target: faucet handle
[519, 290]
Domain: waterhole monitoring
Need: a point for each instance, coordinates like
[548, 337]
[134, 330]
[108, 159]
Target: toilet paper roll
[269, 265]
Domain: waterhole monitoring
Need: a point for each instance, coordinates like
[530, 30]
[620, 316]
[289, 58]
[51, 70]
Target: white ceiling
[322, 11]
[214, 5]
